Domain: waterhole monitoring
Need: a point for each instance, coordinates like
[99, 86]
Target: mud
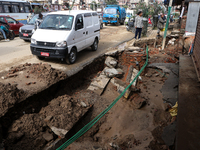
[61, 113]
[67, 104]
[25, 124]
[32, 77]
[9, 96]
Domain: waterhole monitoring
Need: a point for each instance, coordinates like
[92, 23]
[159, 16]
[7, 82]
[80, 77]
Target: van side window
[79, 22]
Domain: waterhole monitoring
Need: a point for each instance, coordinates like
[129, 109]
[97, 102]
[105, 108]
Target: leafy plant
[156, 8]
[141, 6]
[125, 6]
[111, 2]
[93, 5]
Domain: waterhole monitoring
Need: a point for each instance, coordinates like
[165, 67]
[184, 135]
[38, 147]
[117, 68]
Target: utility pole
[167, 23]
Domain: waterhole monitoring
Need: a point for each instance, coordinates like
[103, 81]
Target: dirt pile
[34, 131]
[39, 71]
[9, 96]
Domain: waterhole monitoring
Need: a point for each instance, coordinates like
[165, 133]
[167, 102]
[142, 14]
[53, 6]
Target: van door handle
[83, 32]
[86, 32]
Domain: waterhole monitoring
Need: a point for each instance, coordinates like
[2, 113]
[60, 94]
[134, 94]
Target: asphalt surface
[18, 51]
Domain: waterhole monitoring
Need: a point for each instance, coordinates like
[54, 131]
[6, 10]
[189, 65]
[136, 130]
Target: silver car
[26, 31]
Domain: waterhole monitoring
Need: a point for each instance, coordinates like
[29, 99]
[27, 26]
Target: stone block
[111, 62]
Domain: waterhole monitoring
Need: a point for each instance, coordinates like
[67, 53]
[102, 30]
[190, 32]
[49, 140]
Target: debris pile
[52, 122]
[30, 74]
[9, 96]
[121, 74]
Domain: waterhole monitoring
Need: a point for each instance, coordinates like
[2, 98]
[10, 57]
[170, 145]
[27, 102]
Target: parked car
[100, 20]
[63, 34]
[14, 24]
[26, 31]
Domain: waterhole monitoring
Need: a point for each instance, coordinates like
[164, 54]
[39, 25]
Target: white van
[64, 33]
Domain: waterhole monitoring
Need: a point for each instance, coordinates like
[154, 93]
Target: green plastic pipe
[96, 119]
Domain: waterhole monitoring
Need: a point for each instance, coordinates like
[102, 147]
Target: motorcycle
[131, 25]
[10, 35]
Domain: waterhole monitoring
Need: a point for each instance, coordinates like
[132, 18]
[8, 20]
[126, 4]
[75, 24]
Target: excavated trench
[35, 122]
[13, 138]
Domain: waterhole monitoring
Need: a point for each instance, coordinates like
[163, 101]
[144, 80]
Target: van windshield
[57, 22]
[110, 11]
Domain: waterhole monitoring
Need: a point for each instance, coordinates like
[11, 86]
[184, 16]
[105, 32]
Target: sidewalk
[188, 125]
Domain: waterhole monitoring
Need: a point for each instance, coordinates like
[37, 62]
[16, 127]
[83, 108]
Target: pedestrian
[38, 21]
[138, 25]
[171, 18]
[3, 29]
[161, 23]
[30, 15]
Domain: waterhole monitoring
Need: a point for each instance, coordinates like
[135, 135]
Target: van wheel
[71, 58]
[95, 45]
[40, 58]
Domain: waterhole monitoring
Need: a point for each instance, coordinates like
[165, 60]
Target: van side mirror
[79, 26]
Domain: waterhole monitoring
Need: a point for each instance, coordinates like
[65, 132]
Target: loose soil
[29, 124]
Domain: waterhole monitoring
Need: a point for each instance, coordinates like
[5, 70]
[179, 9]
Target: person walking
[138, 25]
[3, 29]
[38, 21]
[161, 23]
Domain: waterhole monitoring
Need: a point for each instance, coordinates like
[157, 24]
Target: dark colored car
[26, 31]
[14, 24]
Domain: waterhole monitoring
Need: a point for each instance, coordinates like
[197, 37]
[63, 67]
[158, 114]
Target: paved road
[17, 51]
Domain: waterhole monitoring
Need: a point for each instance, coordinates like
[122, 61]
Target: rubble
[121, 87]
[10, 95]
[112, 72]
[137, 100]
[99, 83]
[54, 120]
[111, 62]
[68, 107]
[47, 136]
[172, 41]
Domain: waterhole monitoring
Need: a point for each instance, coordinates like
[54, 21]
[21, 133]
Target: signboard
[192, 16]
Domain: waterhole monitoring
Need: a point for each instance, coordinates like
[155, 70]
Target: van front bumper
[54, 52]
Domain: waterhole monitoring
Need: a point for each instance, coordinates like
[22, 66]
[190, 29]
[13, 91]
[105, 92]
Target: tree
[141, 6]
[111, 2]
[125, 6]
[93, 5]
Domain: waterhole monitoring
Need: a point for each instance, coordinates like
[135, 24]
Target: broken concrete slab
[47, 136]
[130, 71]
[165, 67]
[99, 83]
[111, 62]
[175, 32]
[111, 53]
[133, 48]
[172, 41]
[59, 132]
[121, 87]
[134, 74]
[170, 87]
[169, 134]
[112, 72]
